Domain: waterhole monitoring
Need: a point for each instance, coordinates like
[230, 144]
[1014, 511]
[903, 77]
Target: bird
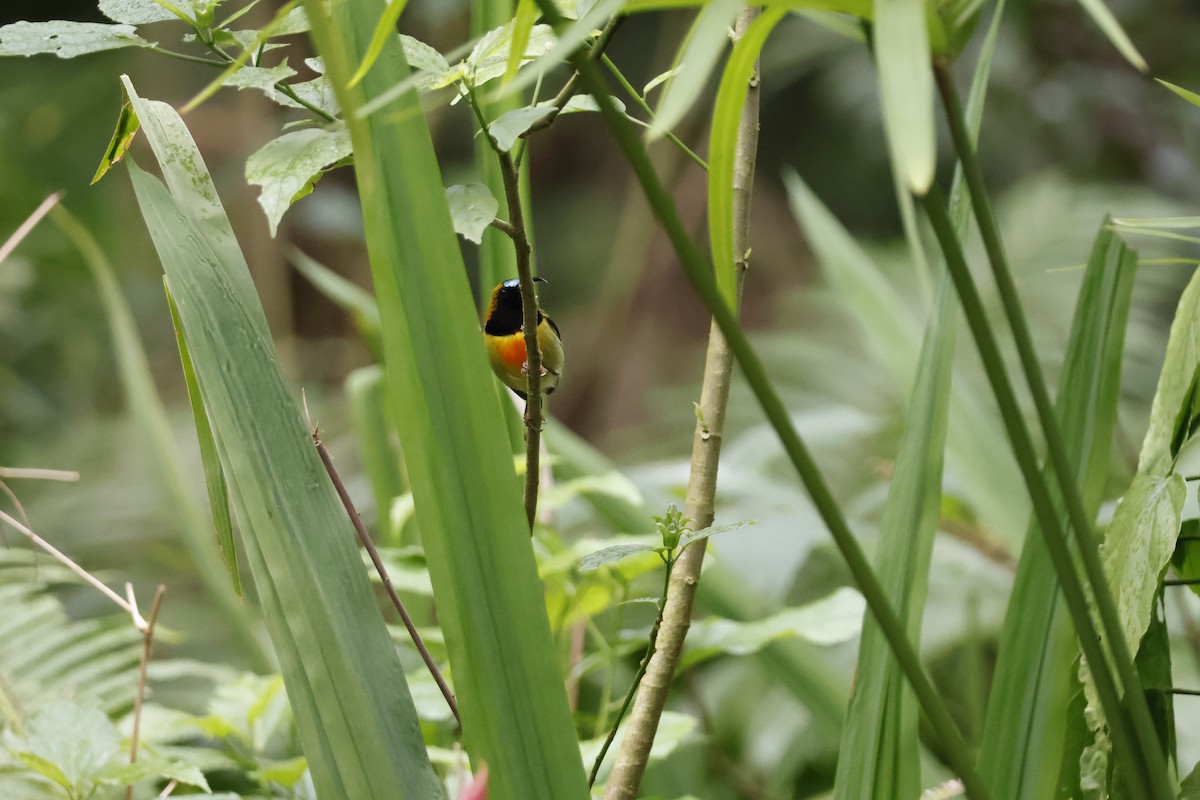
[504, 337]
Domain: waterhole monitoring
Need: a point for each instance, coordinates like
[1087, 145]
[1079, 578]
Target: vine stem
[699, 274]
[651, 648]
[676, 614]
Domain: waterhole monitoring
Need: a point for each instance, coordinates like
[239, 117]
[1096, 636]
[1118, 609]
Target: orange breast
[511, 350]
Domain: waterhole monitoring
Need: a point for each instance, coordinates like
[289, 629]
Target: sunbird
[504, 336]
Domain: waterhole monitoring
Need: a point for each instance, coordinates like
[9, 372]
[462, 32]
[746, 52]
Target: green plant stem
[143, 665]
[641, 673]
[634, 753]
[1025, 453]
[641, 103]
[186, 57]
[699, 274]
[1088, 543]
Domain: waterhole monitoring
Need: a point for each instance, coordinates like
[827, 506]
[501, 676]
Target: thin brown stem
[373, 552]
[702, 481]
[28, 225]
[504, 227]
[147, 642]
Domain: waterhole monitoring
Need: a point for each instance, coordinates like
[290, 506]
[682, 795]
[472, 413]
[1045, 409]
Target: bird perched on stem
[504, 336]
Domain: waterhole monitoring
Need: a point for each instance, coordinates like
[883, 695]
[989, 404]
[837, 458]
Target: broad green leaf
[122, 138]
[906, 89]
[1027, 720]
[146, 405]
[1179, 366]
[118, 773]
[353, 712]
[79, 741]
[695, 60]
[246, 56]
[214, 475]
[136, 12]
[832, 619]
[489, 58]
[384, 30]
[1103, 17]
[608, 555]
[1190, 96]
[434, 71]
[472, 207]
[522, 25]
[879, 756]
[511, 124]
[722, 156]
[366, 398]
[289, 166]
[262, 78]
[66, 39]
[347, 295]
[467, 496]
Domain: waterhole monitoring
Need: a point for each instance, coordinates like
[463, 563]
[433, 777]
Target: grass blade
[1023, 737]
[906, 89]
[214, 475]
[1103, 17]
[466, 493]
[879, 755]
[355, 716]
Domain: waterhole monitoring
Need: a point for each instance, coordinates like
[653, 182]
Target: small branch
[365, 539]
[147, 641]
[1181, 582]
[1185, 692]
[637, 679]
[676, 613]
[645, 107]
[505, 227]
[162, 51]
[39, 474]
[78, 570]
[28, 225]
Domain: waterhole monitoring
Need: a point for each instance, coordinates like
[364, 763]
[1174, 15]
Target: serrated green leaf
[472, 208]
[593, 561]
[66, 39]
[731, 97]
[697, 57]
[122, 138]
[906, 89]
[832, 619]
[1179, 367]
[287, 167]
[354, 715]
[78, 741]
[490, 56]
[1103, 17]
[214, 475]
[384, 30]
[137, 12]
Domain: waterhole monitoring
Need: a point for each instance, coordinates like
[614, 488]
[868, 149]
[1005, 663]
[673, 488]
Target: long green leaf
[731, 97]
[355, 717]
[214, 474]
[147, 407]
[906, 89]
[879, 756]
[1023, 737]
[1103, 17]
[467, 496]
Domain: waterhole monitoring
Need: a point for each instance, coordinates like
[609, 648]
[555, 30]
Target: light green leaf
[511, 124]
[1179, 367]
[879, 756]
[731, 97]
[66, 39]
[585, 102]
[284, 773]
[122, 138]
[472, 207]
[263, 78]
[611, 484]
[288, 167]
[354, 715]
[906, 89]
[79, 741]
[608, 555]
[1190, 96]
[347, 295]
[435, 72]
[295, 21]
[522, 25]
[489, 59]
[660, 79]
[1103, 17]
[833, 619]
[46, 768]
[695, 61]
[135, 12]
[384, 30]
